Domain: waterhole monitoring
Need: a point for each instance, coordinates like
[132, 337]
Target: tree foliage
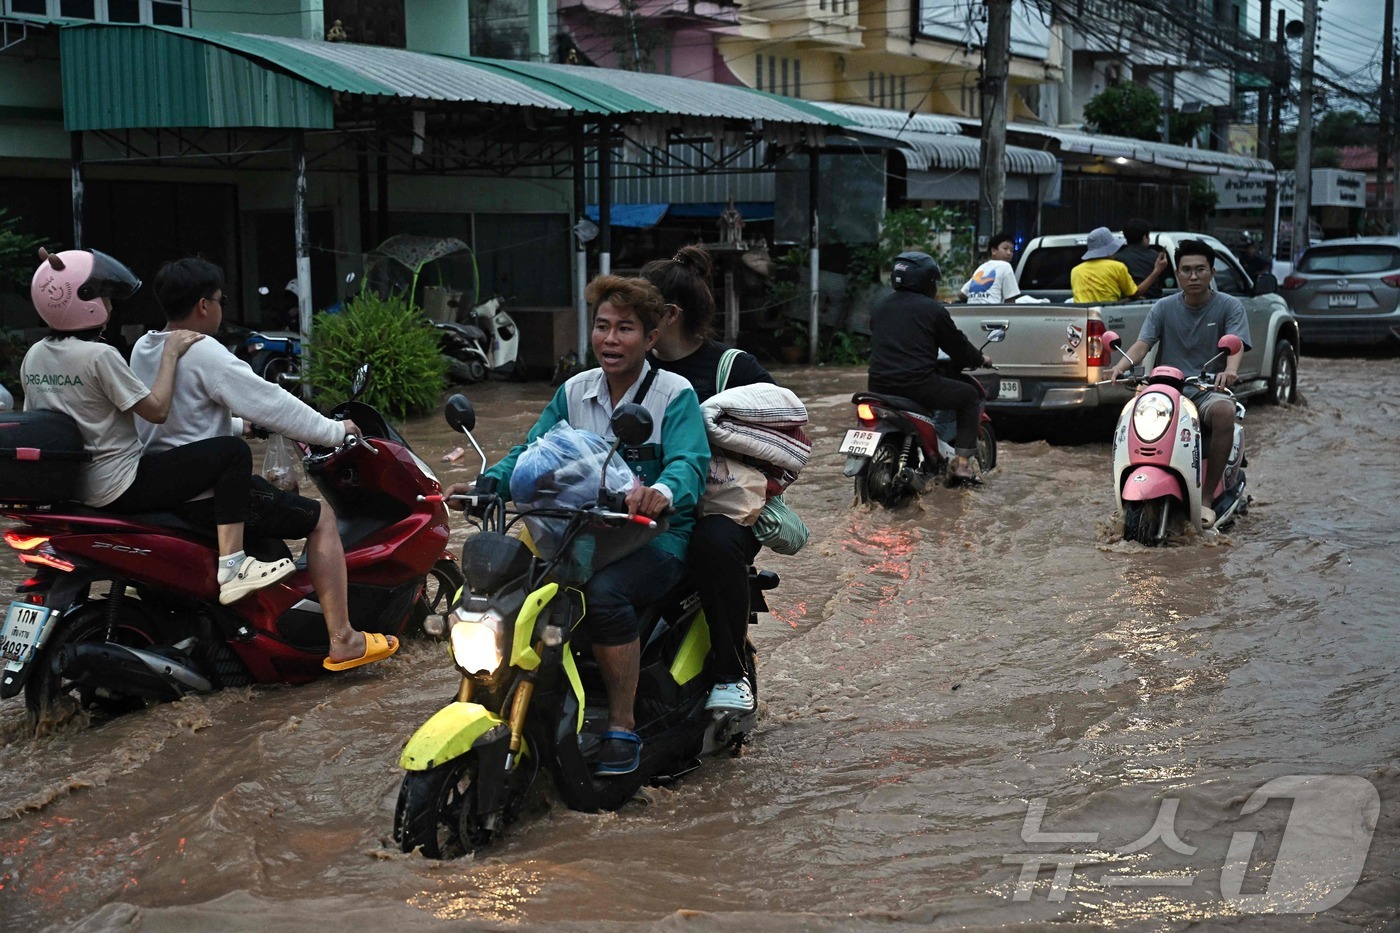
[1126, 109]
[18, 253]
[406, 369]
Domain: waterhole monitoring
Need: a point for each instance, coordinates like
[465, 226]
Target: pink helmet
[68, 288]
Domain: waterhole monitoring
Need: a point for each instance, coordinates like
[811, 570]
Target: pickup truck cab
[1053, 358]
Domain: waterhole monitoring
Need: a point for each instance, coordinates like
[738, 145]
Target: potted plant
[791, 340]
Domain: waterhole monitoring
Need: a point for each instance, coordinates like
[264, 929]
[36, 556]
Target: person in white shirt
[994, 282]
[210, 386]
[73, 372]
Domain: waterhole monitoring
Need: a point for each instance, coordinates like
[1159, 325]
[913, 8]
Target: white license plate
[860, 443]
[1010, 390]
[24, 627]
[1342, 301]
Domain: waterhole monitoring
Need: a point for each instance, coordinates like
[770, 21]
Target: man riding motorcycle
[907, 329]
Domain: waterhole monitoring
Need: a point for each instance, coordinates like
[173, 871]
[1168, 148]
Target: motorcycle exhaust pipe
[125, 670]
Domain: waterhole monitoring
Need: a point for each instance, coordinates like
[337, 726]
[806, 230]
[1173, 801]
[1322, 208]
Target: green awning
[120, 76]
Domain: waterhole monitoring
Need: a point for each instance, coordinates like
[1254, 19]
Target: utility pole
[1302, 176]
[1275, 117]
[1266, 63]
[1387, 105]
[996, 66]
[1395, 122]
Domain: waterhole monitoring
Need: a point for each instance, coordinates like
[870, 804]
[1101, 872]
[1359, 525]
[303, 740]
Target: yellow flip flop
[377, 648]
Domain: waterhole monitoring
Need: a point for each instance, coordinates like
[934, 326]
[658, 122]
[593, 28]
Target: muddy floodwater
[982, 711]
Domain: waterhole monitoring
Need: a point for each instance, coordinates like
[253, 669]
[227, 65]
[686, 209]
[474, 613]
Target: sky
[1349, 46]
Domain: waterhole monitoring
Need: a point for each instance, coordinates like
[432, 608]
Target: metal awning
[129, 76]
[931, 142]
[1164, 155]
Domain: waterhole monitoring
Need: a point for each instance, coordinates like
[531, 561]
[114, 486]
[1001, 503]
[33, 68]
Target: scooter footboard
[1147, 483]
[450, 733]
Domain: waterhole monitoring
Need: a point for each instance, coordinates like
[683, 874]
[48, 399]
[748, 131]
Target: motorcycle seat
[894, 401]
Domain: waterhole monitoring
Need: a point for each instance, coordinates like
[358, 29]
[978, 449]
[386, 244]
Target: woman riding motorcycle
[719, 544]
[72, 372]
[672, 462]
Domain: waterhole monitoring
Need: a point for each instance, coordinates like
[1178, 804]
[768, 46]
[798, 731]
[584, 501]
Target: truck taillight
[1093, 343]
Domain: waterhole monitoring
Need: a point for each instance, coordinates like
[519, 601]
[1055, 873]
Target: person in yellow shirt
[1100, 278]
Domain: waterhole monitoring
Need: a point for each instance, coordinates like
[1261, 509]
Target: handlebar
[595, 511]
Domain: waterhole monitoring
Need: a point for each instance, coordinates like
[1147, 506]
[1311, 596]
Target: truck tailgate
[1042, 341]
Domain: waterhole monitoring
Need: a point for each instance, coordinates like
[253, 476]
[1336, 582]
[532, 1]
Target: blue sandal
[619, 753]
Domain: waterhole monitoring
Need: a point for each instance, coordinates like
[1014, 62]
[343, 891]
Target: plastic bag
[563, 466]
[780, 528]
[733, 489]
[280, 464]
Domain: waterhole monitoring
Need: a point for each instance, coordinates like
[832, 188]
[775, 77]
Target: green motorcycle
[531, 697]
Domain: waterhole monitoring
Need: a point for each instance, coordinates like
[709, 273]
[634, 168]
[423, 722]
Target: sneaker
[736, 697]
[254, 574]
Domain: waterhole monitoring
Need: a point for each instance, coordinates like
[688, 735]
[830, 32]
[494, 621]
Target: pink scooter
[1159, 456]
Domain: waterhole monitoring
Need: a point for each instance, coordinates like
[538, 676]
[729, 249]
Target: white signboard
[963, 22]
[1331, 187]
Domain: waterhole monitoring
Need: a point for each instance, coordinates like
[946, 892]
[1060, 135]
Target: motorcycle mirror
[1111, 339]
[1231, 344]
[349, 277]
[631, 423]
[263, 290]
[997, 336]
[460, 414]
[360, 382]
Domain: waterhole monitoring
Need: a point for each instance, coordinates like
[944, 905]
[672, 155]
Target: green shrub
[406, 370]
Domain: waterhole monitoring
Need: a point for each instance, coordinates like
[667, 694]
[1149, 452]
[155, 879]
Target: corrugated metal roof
[118, 76]
[877, 119]
[115, 77]
[1201, 161]
[925, 151]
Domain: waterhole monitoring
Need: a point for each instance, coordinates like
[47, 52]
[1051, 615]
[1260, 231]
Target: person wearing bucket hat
[1101, 278]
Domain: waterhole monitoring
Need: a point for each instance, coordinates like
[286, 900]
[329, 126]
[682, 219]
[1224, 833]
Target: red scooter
[124, 609]
[900, 446]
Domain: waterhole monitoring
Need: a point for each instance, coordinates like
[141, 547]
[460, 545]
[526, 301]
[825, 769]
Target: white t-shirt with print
[91, 383]
[993, 283]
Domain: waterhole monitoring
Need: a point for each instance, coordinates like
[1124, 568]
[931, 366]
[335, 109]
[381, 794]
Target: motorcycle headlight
[1152, 416]
[476, 641]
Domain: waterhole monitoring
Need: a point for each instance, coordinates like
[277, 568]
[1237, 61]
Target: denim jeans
[613, 595]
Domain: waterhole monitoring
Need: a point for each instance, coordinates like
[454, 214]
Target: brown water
[926, 675]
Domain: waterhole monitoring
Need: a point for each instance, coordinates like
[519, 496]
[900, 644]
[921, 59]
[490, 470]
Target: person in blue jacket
[671, 466]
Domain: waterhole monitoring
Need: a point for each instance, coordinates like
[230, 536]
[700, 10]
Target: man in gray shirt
[1189, 326]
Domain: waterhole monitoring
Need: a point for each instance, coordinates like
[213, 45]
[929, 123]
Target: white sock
[228, 565]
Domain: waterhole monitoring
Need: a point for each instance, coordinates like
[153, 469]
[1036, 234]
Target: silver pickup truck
[1053, 358]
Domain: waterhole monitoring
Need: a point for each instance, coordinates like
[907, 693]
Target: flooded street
[981, 711]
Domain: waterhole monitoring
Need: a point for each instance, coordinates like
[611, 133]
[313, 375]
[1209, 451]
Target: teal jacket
[678, 436]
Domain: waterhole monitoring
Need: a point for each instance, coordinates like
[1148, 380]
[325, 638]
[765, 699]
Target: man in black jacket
[907, 329]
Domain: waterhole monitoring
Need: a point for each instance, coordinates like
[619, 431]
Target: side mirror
[460, 414]
[1266, 284]
[1231, 344]
[631, 424]
[360, 382]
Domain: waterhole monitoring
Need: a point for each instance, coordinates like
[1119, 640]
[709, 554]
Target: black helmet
[916, 272]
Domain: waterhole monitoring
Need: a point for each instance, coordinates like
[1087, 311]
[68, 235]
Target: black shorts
[272, 512]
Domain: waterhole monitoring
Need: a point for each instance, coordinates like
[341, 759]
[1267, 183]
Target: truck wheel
[1283, 384]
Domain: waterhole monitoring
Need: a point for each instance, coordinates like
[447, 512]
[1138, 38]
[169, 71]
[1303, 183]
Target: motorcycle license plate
[1342, 301]
[1010, 390]
[24, 629]
[860, 443]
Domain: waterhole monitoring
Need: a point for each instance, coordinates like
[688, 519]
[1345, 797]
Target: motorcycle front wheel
[436, 813]
[1146, 522]
[45, 687]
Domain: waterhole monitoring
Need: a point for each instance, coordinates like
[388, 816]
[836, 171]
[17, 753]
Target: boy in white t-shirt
[994, 282]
